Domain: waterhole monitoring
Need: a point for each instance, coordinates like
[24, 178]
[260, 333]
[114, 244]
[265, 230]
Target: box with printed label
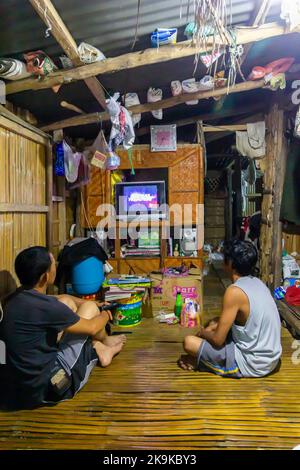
[164, 290]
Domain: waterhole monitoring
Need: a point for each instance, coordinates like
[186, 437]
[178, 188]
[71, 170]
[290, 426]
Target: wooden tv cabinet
[185, 172]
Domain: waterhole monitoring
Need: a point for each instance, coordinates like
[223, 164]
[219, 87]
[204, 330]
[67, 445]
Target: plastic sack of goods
[162, 36]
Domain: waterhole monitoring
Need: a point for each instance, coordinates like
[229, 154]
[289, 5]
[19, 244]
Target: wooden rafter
[220, 135]
[163, 104]
[60, 32]
[244, 35]
[255, 107]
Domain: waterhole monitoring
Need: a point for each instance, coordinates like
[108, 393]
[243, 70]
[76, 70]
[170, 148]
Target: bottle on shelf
[176, 250]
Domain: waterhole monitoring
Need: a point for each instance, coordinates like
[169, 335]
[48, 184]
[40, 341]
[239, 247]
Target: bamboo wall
[23, 185]
[61, 224]
[291, 243]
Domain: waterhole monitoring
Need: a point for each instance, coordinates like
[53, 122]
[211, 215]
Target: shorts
[218, 361]
[77, 357]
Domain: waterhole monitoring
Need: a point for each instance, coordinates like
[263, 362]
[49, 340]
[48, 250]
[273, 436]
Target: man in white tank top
[245, 340]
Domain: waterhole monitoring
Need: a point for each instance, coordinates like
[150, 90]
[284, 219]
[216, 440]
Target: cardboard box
[164, 290]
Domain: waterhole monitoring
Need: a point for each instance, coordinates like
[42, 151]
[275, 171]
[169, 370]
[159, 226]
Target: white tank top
[257, 343]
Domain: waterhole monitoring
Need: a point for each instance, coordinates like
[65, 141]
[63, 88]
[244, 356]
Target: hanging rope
[46, 19]
[137, 24]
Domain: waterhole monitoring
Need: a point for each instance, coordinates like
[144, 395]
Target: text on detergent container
[187, 292]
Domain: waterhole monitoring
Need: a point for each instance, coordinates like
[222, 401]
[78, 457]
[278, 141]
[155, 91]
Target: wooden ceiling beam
[244, 35]
[212, 116]
[220, 135]
[163, 104]
[47, 12]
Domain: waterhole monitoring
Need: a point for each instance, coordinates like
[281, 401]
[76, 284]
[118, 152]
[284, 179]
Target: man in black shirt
[52, 343]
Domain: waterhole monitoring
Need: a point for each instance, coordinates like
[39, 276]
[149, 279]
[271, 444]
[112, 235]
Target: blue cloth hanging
[59, 160]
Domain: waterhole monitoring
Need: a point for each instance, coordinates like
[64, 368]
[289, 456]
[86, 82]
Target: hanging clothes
[252, 143]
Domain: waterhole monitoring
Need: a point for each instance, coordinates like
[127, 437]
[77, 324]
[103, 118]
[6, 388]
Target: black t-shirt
[29, 328]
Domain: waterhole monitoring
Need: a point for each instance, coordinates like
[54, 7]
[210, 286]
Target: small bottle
[176, 250]
[178, 305]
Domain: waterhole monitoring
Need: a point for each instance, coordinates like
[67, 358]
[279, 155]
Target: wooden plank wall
[63, 218]
[22, 193]
[291, 243]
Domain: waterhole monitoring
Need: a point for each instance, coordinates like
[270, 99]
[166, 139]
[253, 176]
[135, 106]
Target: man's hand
[212, 326]
[200, 332]
[100, 304]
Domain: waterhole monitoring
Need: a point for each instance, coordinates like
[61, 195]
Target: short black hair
[243, 256]
[31, 264]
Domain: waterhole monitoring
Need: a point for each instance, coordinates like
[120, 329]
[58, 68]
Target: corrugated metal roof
[108, 25]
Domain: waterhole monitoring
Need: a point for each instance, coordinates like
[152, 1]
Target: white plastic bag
[154, 95]
[132, 99]
[89, 54]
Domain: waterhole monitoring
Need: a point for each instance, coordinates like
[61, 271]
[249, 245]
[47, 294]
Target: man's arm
[92, 326]
[232, 301]
[78, 302]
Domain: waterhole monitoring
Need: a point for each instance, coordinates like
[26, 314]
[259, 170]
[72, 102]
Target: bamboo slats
[144, 401]
[22, 192]
[292, 243]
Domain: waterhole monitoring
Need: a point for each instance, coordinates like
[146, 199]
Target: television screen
[143, 197]
[136, 195]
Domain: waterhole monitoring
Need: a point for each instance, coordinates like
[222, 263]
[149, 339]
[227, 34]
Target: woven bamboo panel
[23, 181]
[23, 172]
[142, 157]
[188, 202]
[184, 176]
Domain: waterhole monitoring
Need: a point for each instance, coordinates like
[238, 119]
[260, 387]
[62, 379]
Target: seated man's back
[257, 343]
[30, 327]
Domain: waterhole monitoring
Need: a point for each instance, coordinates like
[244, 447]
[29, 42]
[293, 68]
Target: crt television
[144, 199]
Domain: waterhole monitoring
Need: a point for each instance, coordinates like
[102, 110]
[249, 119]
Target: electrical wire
[85, 215]
[137, 24]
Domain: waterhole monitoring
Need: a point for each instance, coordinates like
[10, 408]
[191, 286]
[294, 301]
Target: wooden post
[228, 208]
[271, 231]
[237, 179]
[49, 194]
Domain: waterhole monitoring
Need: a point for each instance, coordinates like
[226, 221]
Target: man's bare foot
[187, 362]
[106, 353]
[114, 340]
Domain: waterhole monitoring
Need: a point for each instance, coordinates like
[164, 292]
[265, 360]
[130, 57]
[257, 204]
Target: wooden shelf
[184, 257]
[185, 177]
[142, 223]
[138, 258]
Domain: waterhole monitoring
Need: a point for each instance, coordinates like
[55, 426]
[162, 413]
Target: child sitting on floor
[245, 340]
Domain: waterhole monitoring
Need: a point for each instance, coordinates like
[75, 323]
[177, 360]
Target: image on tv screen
[140, 195]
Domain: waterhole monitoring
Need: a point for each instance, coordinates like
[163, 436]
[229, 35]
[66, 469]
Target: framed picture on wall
[163, 138]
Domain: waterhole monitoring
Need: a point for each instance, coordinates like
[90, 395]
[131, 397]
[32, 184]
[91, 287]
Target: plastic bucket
[129, 311]
[87, 276]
